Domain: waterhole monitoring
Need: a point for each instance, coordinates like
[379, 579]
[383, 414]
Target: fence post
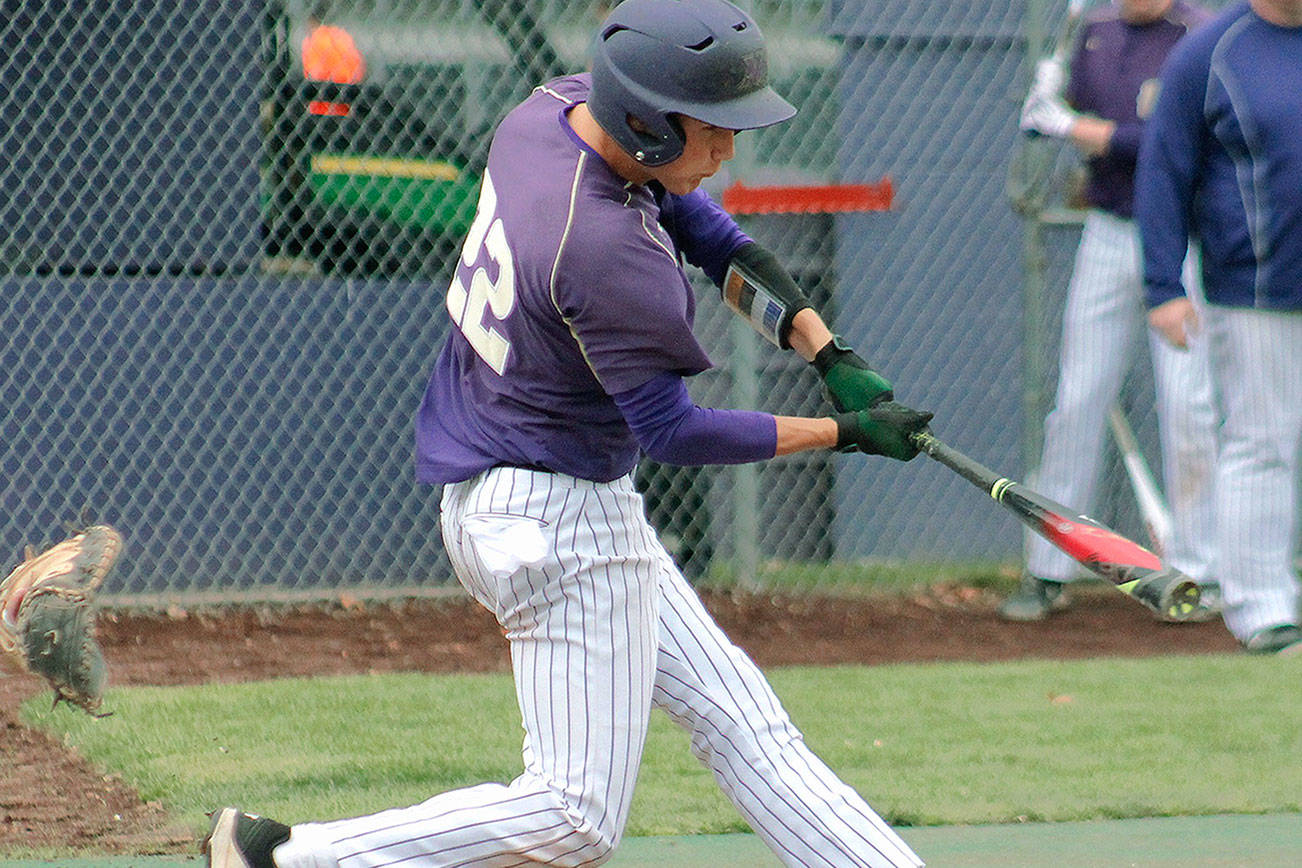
[745, 493]
[745, 390]
[1033, 287]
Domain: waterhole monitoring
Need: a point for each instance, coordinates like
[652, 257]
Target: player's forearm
[885, 429]
[762, 292]
[1161, 208]
[671, 429]
[1125, 140]
[1091, 135]
[1169, 156]
[801, 434]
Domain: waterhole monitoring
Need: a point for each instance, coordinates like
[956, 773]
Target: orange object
[329, 109]
[810, 199]
[329, 54]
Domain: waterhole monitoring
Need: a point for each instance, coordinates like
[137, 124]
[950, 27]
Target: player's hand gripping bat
[1152, 506]
[1133, 569]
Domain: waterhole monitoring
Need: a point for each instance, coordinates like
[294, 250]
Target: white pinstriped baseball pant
[1258, 356]
[1101, 327]
[602, 628]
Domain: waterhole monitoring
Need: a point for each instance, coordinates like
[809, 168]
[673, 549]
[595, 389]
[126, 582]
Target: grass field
[928, 745]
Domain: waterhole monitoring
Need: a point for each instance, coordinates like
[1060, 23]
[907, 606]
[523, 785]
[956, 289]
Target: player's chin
[683, 186]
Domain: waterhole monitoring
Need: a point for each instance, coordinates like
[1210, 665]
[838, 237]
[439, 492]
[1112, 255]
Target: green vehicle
[380, 179]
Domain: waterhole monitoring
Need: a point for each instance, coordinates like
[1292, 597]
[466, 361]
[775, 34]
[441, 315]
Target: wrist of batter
[833, 351]
[848, 431]
[808, 334]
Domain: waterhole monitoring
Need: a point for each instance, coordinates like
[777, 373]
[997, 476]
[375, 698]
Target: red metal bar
[809, 199]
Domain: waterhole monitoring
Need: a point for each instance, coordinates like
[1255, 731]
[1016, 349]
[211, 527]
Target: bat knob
[1173, 595]
[1185, 603]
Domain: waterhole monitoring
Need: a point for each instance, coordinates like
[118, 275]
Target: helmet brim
[759, 108]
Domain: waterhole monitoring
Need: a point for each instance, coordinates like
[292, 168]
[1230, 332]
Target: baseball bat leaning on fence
[1152, 506]
[1067, 33]
[1133, 569]
[1030, 170]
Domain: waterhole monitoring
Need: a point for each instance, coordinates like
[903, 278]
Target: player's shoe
[1034, 600]
[240, 840]
[1284, 641]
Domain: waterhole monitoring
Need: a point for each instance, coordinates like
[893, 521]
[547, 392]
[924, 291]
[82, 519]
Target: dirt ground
[51, 797]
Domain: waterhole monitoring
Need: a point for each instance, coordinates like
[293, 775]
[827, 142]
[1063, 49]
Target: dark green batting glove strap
[884, 429]
[850, 383]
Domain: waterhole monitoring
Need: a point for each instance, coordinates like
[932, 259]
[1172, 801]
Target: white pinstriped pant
[1101, 326]
[602, 628]
[1258, 356]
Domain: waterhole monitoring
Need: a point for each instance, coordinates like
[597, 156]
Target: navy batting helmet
[700, 58]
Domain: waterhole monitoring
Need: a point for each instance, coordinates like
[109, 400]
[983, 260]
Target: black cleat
[240, 840]
[1284, 641]
[1034, 600]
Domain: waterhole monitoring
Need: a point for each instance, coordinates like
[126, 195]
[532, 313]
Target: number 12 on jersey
[486, 240]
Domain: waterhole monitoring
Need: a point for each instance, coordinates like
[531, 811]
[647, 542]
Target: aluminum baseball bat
[1152, 506]
[1131, 568]
[1063, 44]
[1031, 166]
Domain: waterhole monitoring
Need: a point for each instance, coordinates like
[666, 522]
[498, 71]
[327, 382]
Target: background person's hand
[1176, 320]
[1047, 116]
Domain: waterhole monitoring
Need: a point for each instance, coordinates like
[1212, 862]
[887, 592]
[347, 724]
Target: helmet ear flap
[661, 136]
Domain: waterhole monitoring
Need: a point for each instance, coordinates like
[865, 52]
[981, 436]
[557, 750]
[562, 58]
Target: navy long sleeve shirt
[1221, 161]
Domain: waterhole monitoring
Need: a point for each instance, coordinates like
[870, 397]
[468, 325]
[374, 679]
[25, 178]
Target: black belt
[537, 468]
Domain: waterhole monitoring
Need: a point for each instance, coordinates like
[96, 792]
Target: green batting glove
[850, 383]
[886, 428]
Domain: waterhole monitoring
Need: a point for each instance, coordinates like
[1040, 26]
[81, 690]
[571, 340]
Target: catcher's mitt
[46, 617]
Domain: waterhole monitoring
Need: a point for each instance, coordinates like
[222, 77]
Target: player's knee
[753, 736]
[588, 837]
[586, 844]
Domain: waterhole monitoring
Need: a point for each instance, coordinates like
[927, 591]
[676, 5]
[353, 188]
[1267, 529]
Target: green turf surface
[935, 747]
[930, 744]
[1260, 841]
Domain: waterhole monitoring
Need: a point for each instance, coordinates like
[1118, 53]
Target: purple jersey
[569, 289]
[1114, 75]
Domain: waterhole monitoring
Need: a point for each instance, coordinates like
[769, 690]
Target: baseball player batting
[573, 333]
[1110, 91]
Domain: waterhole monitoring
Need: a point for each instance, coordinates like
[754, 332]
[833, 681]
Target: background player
[1113, 83]
[1222, 162]
[574, 333]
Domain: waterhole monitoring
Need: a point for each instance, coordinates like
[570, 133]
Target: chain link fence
[223, 282]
